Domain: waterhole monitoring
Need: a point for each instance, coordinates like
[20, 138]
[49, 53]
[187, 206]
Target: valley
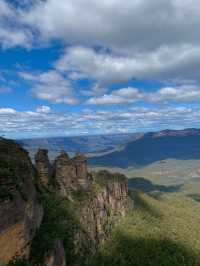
[164, 227]
[163, 230]
[155, 221]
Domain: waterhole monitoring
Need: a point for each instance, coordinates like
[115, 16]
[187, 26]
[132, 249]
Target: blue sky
[98, 67]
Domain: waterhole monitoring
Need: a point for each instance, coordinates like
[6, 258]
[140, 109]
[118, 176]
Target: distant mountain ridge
[154, 146]
[89, 143]
[174, 133]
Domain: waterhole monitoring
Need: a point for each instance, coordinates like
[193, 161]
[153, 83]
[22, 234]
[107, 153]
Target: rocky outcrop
[98, 203]
[43, 166]
[66, 173]
[102, 211]
[20, 211]
[80, 163]
[70, 174]
[80, 210]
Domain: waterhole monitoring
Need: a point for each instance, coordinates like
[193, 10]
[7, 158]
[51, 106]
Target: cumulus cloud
[50, 86]
[12, 31]
[146, 39]
[106, 42]
[156, 39]
[121, 96]
[178, 94]
[177, 63]
[185, 93]
[115, 24]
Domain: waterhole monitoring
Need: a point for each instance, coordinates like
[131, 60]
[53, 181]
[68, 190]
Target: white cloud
[50, 86]
[156, 39]
[34, 123]
[184, 93]
[7, 111]
[117, 25]
[12, 32]
[121, 96]
[141, 39]
[177, 63]
[43, 109]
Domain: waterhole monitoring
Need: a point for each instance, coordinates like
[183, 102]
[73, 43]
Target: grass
[159, 232]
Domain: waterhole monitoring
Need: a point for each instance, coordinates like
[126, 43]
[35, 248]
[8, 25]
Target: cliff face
[110, 202]
[20, 211]
[77, 211]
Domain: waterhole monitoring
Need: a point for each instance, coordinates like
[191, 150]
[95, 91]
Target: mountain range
[153, 146]
[73, 144]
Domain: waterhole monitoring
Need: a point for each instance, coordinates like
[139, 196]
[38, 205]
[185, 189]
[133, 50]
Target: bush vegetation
[14, 168]
[103, 177]
[159, 232]
[59, 222]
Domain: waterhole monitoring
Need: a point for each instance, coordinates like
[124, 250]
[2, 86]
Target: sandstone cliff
[77, 210]
[108, 203]
[20, 211]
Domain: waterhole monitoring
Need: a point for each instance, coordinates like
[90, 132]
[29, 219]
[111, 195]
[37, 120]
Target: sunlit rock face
[64, 174]
[20, 211]
[70, 174]
[104, 210]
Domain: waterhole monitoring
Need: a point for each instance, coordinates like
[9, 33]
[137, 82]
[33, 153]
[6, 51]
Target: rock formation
[43, 166]
[75, 213]
[20, 211]
[104, 209]
[67, 174]
[70, 173]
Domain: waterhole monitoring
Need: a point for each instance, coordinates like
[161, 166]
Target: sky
[77, 67]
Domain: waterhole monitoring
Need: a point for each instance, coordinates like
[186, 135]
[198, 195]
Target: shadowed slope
[128, 251]
[151, 148]
[162, 232]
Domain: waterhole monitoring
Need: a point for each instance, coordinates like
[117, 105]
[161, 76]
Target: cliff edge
[55, 213]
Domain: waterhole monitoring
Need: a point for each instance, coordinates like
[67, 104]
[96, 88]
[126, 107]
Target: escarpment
[20, 210]
[110, 202]
[55, 213]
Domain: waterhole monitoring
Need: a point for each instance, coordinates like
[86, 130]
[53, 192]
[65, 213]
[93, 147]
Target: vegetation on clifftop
[14, 168]
[103, 177]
